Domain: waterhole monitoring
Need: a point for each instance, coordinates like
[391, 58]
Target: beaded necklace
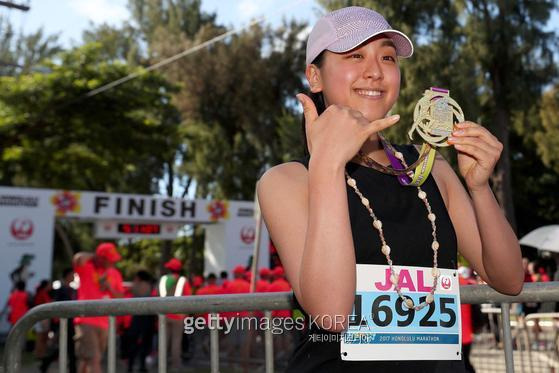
[385, 249]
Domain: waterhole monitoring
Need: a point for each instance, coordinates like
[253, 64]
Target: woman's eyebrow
[388, 43]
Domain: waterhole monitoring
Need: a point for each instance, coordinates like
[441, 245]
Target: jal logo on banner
[21, 228]
[248, 234]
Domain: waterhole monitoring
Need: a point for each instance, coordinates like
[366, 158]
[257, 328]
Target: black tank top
[408, 232]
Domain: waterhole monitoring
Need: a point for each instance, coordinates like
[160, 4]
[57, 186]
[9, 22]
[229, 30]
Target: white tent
[543, 238]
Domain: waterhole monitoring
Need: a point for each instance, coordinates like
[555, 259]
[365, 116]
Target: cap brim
[404, 46]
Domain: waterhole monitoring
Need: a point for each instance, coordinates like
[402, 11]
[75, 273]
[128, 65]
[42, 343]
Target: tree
[233, 96]
[20, 53]
[51, 136]
[117, 43]
[168, 17]
[547, 137]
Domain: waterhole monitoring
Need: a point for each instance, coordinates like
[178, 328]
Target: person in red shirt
[237, 335]
[177, 285]
[197, 283]
[203, 336]
[223, 279]
[464, 278]
[280, 284]
[18, 303]
[239, 284]
[138, 337]
[42, 294]
[99, 279]
[211, 287]
[42, 328]
[248, 277]
[263, 284]
[236, 286]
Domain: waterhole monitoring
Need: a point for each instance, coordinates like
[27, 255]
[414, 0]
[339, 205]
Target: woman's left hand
[478, 153]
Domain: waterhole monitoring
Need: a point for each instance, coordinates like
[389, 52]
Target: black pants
[53, 355]
[139, 338]
[466, 356]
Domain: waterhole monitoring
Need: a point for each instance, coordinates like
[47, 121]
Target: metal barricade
[473, 294]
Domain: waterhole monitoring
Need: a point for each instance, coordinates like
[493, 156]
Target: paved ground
[487, 356]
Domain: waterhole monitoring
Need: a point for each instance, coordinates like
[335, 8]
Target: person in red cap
[211, 288]
[99, 279]
[263, 283]
[238, 285]
[280, 284]
[174, 284]
[18, 303]
[236, 336]
[248, 276]
[197, 283]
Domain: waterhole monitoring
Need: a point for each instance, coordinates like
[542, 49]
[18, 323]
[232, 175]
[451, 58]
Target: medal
[434, 117]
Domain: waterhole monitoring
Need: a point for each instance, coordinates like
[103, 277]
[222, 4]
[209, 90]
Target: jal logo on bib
[446, 282]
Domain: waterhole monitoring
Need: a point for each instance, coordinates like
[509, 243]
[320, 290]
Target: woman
[323, 227]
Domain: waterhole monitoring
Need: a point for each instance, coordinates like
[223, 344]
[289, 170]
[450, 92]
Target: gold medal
[434, 117]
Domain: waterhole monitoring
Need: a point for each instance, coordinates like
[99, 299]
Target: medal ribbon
[421, 172]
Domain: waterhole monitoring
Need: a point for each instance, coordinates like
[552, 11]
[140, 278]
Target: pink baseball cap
[346, 28]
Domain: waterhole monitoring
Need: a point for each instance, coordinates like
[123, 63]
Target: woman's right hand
[339, 132]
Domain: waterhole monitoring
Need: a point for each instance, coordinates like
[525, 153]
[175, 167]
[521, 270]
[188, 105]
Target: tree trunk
[501, 178]
[166, 246]
[65, 241]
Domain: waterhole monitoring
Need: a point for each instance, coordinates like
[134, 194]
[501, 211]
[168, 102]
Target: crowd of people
[98, 278]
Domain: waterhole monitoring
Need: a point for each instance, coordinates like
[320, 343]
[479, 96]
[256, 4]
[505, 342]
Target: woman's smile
[373, 94]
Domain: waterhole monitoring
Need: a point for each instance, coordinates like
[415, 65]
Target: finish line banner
[117, 206]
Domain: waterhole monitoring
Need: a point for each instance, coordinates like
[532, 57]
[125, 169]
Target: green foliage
[147, 254]
[535, 166]
[175, 17]
[547, 138]
[117, 43]
[51, 136]
[137, 255]
[233, 97]
[290, 137]
[20, 53]
[236, 97]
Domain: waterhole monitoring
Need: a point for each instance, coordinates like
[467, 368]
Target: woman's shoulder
[286, 183]
[288, 172]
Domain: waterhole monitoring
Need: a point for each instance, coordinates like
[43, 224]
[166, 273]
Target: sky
[69, 18]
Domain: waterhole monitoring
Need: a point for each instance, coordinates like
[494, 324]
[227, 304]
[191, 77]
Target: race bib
[383, 328]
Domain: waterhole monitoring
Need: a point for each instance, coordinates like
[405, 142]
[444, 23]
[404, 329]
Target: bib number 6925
[384, 306]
